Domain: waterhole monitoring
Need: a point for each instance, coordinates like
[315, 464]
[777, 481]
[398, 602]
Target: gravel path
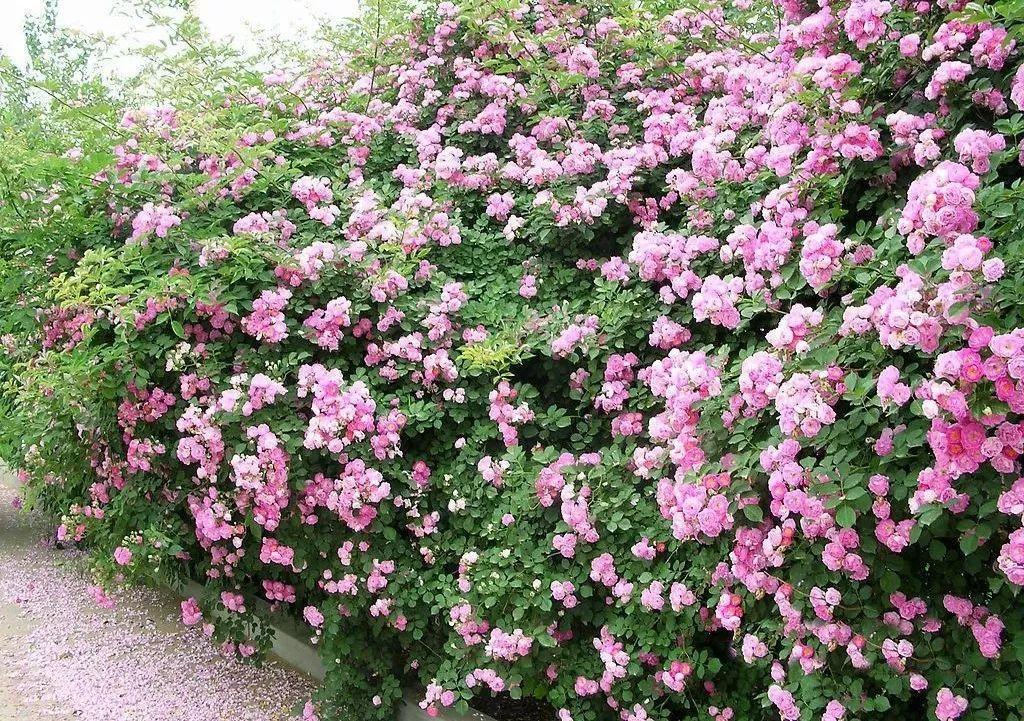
[63, 658]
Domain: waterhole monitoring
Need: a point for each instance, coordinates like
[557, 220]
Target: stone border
[294, 651]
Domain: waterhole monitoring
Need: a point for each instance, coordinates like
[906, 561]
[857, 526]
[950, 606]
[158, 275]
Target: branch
[32, 84]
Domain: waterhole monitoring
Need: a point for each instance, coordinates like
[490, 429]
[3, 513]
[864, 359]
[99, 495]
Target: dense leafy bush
[650, 361]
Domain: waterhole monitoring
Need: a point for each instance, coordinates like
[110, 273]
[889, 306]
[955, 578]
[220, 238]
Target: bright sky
[223, 18]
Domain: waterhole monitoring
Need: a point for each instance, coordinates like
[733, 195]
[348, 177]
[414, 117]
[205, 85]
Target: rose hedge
[649, 361]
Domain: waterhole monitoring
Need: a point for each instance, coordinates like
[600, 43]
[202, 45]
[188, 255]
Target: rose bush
[651, 361]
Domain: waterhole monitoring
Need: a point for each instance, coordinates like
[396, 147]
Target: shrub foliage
[652, 360]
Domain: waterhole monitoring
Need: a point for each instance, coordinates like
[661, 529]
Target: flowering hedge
[650, 361]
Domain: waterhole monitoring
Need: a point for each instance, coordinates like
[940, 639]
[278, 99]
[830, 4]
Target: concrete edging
[292, 650]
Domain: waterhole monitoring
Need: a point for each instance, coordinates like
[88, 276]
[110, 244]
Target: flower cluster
[266, 321]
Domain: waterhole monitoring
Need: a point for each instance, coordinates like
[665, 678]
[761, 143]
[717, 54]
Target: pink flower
[949, 707]
[191, 614]
[309, 712]
[784, 702]
[939, 204]
[948, 72]
[909, 45]
[890, 390]
[1017, 89]
[158, 219]
[313, 616]
[975, 147]
[500, 205]
[267, 322]
[233, 601]
[864, 21]
[820, 254]
[316, 195]
[834, 711]
[715, 302]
